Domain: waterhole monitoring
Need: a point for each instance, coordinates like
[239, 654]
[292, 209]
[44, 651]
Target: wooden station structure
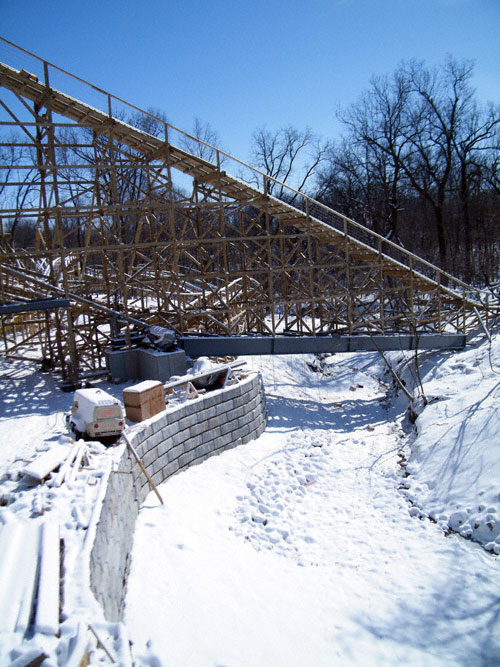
[130, 219]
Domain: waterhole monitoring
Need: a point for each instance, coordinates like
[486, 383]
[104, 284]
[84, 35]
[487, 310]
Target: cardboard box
[144, 400]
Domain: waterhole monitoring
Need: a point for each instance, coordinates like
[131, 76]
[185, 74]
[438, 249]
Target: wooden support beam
[116, 233]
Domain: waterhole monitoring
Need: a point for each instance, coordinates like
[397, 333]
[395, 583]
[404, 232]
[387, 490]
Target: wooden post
[141, 465]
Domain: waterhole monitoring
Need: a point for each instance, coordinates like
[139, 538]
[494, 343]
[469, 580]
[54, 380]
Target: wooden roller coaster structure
[131, 227]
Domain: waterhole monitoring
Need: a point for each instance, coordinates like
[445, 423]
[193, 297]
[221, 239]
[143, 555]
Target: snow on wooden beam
[26, 574]
[44, 464]
[29, 577]
[47, 611]
[11, 546]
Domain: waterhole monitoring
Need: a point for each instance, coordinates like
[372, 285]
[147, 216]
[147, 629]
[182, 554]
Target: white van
[95, 414]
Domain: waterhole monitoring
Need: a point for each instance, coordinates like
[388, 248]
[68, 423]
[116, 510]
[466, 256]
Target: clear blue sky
[242, 65]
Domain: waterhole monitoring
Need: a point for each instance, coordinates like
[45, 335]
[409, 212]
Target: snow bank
[454, 466]
[300, 549]
[33, 438]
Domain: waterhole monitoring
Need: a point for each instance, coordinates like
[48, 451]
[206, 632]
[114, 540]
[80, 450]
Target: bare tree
[204, 142]
[289, 156]
[473, 146]
[153, 121]
[376, 133]
[19, 186]
[363, 184]
[417, 140]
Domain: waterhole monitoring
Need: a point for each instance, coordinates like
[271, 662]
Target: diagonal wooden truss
[126, 219]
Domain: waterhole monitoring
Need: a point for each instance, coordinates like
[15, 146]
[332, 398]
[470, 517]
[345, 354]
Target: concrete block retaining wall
[167, 443]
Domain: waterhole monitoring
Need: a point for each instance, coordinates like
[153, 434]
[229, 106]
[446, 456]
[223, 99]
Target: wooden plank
[47, 611]
[11, 538]
[142, 467]
[44, 464]
[26, 573]
[210, 177]
[66, 466]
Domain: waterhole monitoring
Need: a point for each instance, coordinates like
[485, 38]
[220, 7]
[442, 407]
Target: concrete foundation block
[240, 388]
[155, 439]
[208, 435]
[214, 422]
[134, 437]
[248, 438]
[253, 403]
[205, 435]
[140, 436]
[156, 365]
[149, 457]
[204, 450]
[186, 459]
[235, 390]
[175, 452]
[177, 439]
[162, 420]
[170, 469]
[238, 433]
[172, 415]
[247, 431]
[145, 364]
[222, 408]
[142, 448]
[168, 431]
[224, 440]
[197, 429]
[243, 421]
[160, 462]
[229, 405]
[191, 406]
[251, 435]
[163, 447]
[213, 398]
[158, 478]
[209, 413]
[227, 427]
[188, 420]
[192, 443]
[240, 400]
[238, 412]
[215, 432]
[148, 431]
[144, 490]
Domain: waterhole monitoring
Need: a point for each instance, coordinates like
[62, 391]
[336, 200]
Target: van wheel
[78, 434]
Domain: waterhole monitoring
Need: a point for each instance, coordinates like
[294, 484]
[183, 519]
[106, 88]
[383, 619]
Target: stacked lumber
[66, 461]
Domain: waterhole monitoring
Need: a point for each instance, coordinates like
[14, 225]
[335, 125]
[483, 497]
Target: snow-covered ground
[32, 422]
[455, 458]
[313, 544]
[305, 548]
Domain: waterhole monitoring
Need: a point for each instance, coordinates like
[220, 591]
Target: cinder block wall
[171, 441]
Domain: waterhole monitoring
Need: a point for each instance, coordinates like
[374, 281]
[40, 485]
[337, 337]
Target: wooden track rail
[115, 209]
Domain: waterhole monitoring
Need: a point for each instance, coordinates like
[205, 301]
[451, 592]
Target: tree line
[418, 162]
